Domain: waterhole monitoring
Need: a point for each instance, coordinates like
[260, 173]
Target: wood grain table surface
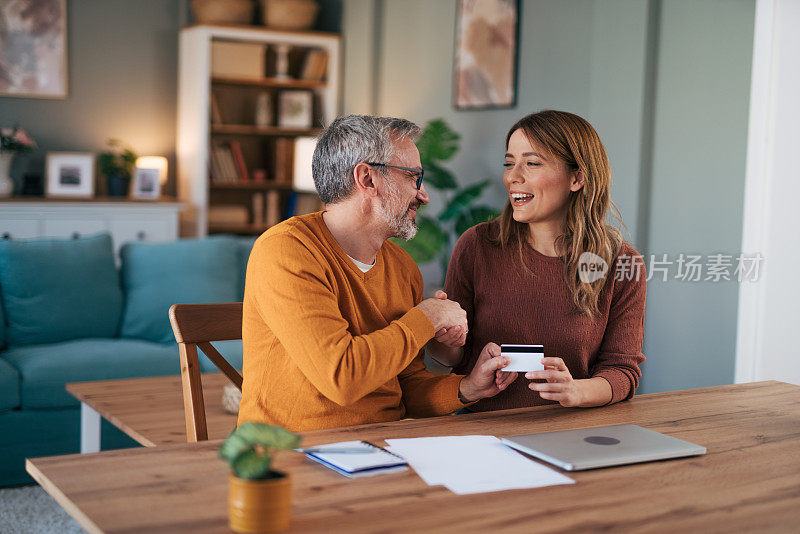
[150, 410]
[748, 482]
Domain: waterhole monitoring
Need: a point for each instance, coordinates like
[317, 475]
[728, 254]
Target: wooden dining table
[749, 481]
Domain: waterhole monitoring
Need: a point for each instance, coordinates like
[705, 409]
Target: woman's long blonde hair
[572, 140]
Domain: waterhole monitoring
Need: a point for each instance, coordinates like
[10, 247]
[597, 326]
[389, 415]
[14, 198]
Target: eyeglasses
[416, 173]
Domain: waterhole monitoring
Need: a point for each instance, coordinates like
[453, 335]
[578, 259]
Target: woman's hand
[486, 378]
[560, 386]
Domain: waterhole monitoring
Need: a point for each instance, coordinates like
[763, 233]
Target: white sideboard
[124, 220]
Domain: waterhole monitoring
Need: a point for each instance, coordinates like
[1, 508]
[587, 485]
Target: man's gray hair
[349, 141]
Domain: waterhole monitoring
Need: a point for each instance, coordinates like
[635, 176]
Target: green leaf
[429, 242]
[439, 177]
[251, 465]
[462, 200]
[472, 216]
[267, 436]
[437, 142]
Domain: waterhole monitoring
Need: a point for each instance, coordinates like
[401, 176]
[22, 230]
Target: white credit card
[523, 358]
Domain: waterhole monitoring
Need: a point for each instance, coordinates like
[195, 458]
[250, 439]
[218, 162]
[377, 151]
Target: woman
[535, 275]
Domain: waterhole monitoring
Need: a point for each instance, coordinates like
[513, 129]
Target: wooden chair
[196, 326]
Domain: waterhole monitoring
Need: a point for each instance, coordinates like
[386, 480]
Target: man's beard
[397, 216]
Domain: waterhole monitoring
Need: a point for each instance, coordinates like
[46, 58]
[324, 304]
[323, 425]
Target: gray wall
[122, 60]
[665, 83]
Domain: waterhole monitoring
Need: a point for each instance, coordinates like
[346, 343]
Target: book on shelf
[238, 158]
[273, 211]
[226, 164]
[216, 110]
[228, 214]
[258, 209]
[283, 159]
[315, 66]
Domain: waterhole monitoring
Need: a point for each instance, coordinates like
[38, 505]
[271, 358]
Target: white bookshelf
[195, 131]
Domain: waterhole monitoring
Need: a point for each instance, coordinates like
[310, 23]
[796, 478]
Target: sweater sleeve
[459, 282]
[295, 298]
[621, 349]
[426, 394]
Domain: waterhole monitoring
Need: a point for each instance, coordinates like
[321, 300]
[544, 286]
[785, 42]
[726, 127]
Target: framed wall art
[33, 48]
[487, 34]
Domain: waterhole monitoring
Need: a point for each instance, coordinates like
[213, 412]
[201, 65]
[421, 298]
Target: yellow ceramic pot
[260, 505]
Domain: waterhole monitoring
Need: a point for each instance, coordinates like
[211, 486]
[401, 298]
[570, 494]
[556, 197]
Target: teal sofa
[68, 313]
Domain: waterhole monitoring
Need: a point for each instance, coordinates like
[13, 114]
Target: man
[334, 322]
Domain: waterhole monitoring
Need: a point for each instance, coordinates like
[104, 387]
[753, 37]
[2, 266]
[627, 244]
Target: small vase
[6, 184]
[260, 505]
[117, 185]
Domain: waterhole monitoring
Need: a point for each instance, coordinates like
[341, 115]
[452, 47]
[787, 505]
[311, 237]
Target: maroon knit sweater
[506, 304]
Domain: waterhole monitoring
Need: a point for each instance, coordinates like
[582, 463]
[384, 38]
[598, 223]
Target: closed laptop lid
[604, 446]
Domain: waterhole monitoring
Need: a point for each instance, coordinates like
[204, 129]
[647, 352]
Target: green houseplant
[437, 235]
[116, 164]
[259, 499]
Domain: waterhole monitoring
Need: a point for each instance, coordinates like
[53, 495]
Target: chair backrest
[196, 326]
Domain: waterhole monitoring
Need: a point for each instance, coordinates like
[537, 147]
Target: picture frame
[146, 184]
[295, 109]
[70, 174]
[486, 54]
[33, 58]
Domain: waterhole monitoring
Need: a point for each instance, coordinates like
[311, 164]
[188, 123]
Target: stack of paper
[473, 464]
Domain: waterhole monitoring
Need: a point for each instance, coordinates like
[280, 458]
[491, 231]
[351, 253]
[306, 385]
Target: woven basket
[223, 11]
[289, 14]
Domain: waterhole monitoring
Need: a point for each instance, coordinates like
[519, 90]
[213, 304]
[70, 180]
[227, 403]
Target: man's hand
[452, 337]
[444, 313]
[486, 378]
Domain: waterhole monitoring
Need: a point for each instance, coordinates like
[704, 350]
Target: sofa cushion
[157, 275]
[2, 322]
[230, 350]
[46, 369]
[9, 386]
[59, 289]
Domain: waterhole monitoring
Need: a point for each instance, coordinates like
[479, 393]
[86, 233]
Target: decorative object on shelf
[12, 141]
[302, 178]
[263, 109]
[289, 14]
[149, 175]
[282, 61]
[486, 54]
[436, 236]
[32, 185]
[295, 109]
[70, 174]
[223, 11]
[33, 55]
[238, 59]
[117, 164]
[259, 499]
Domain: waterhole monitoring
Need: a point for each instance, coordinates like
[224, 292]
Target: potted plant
[12, 141]
[437, 235]
[116, 164]
[259, 499]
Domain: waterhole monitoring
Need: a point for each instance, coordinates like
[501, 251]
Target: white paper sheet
[473, 464]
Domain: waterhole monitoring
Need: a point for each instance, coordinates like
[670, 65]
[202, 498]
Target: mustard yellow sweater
[327, 345]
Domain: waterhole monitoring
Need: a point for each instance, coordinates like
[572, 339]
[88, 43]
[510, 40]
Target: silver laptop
[603, 446]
